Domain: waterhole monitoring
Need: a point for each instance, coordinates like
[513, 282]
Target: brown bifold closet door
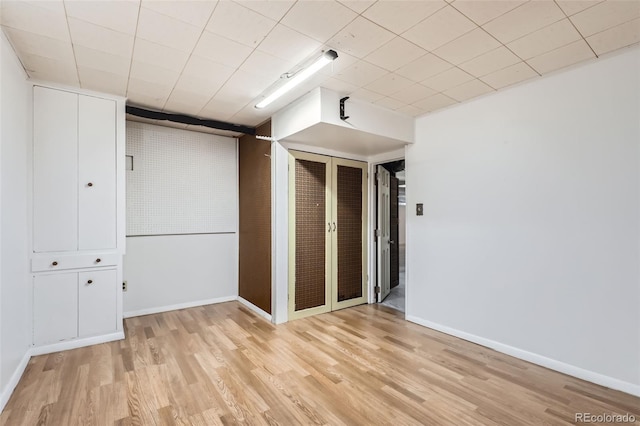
[327, 234]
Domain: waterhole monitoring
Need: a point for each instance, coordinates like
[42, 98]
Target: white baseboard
[76, 343]
[534, 358]
[254, 308]
[15, 378]
[175, 307]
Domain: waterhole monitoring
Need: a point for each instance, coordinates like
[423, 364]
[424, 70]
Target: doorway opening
[391, 234]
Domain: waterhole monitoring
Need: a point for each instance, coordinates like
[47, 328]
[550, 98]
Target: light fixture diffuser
[302, 75]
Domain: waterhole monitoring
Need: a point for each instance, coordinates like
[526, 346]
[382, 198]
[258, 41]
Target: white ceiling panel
[205, 68]
[186, 102]
[159, 55]
[524, 19]
[435, 102]
[320, 20]
[357, 6]
[102, 61]
[482, 12]
[470, 45]
[389, 84]
[339, 86]
[196, 13]
[544, 40]
[100, 38]
[43, 68]
[153, 74]
[411, 110]
[390, 103]
[567, 55]
[341, 63]
[398, 16]
[240, 24]
[616, 37]
[267, 67]
[35, 44]
[413, 93]
[448, 79]
[274, 9]
[468, 90]
[366, 95]
[571, 7]
[361, 37]
[101, 81]
[361, 73]
[148, 94]
[440, 28]
[288, 44]
[510, 75]
[395, 54]
[121, 16]
[606, 15]
[424, 67]
[489, 62]
[219, 108]
[30, 17]
[167, 31]
[222, 50]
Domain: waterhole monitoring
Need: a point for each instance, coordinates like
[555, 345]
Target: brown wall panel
[255, 219]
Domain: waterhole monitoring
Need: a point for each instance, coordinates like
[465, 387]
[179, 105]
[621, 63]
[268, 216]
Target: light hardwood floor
[221, 364]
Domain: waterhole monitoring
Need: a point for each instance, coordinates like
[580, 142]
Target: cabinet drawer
[76, 261]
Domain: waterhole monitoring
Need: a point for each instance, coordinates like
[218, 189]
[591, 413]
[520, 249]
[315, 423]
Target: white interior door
[384, 225]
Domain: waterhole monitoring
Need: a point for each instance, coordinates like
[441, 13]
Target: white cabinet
[97, 292]
[55, 308]
[74, 198]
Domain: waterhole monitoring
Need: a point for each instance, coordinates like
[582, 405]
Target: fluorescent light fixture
[302, 75]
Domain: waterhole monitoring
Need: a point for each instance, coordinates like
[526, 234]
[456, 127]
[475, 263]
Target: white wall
[176, 271]
[530, 238]
[15, 283]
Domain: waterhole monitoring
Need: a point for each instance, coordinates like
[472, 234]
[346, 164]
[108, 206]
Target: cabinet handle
[329, 230]
[98, 260]
[54, 263]
[334, 227]
[90, 282]
[90, 184]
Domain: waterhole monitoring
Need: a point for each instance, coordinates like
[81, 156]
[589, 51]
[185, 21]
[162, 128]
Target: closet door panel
[97, 173]
[97, 293]
[55, 307]
[55, 170]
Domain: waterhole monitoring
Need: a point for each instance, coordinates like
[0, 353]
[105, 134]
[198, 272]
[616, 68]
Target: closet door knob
[98, 260]
[90, 184]
[329, 230]
[90, 282]
[54, 263]
[334, 227]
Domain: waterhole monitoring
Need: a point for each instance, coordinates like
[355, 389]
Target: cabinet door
[97, 173]
[55, 170]
[55, 308]
[97, 302]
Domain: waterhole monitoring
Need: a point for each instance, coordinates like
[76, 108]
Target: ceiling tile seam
[255, 11]
[408, 29]
[15, 51]
[73, 48]
[193, 48]
[576, 28]
[133, 48]
[182, 21]
[324, 42]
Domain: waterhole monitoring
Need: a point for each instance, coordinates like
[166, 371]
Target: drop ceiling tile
[440, 28]
[567, 55]
[318, 19]
[97, 60]
[41, 68]
[544, 40]
[357, 6]
[510, 75]
[191, 12]
[288, 44]
[366, 95]
[121, 16]
[221, 109]
[361, 73]
[238, 23]
[606, 15]
[424, 67]
[153, 74]
[361, 37]
[203, 75]
[614, 38]
[274, 9]
[484, 11]
[470, 45]
[389, 84]
[100, 38]
[243, 87]
[490, 62]
[524, 19]
[571, 7]
[390, 103]
[167, 31]
[411, 110]
[399, 16]
[339, 86]
[159, 55]
[101, 81]
[341, 63]
[145, 101]
[266, 67]
[434, 102]
[250, 116]
[468, 90]
[149, 94]
[413, 93]
[29, 17]
[395, 54]
[222, 50]
[448, 79]
[35, 44]
[186, 102]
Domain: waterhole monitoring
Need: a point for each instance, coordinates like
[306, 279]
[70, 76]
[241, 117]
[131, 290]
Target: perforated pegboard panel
[182, 182]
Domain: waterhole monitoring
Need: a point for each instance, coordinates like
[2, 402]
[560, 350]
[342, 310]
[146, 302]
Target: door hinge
[377, 289]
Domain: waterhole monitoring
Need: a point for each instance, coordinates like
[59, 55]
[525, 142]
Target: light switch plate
[419, 209]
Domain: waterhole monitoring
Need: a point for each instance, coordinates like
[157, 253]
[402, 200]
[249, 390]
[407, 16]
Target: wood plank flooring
[222, 364]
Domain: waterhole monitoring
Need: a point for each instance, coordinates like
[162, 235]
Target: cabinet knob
[98, 260]
[90, 282]
[54, 263]
[90, 184]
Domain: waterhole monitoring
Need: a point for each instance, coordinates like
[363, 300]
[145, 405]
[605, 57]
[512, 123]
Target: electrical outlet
[124, 286]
